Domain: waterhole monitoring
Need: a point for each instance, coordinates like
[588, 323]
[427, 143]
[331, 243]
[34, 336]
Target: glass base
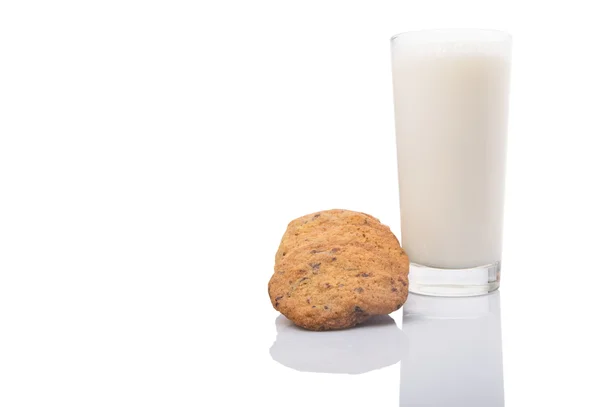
[454, 282]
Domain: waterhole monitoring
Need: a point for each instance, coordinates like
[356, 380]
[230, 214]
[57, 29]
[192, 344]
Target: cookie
[335, 269]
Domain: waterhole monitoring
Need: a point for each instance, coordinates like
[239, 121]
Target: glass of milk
[451, 90]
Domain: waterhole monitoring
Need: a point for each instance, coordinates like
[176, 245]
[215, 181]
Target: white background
[152, 153]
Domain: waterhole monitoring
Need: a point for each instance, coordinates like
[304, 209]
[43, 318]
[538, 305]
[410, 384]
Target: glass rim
[477, 34]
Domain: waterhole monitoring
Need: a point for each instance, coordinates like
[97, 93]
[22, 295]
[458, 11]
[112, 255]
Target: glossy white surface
[455, 347]
[376, 344]
[152, 153]
[451, 345]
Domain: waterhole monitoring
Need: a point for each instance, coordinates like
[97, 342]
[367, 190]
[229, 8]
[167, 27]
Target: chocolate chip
[314, 306]
[315, 266]
[283, 254]
[363, 275]
[278, 297]
[359, 290]
[308, 300]
[403, 283]
[394, 289]
[399, 305]
[326, 307]
[335, 250]
[358, 309]
[302, 279]
[334, 259]
[327, 285]
[316, 216]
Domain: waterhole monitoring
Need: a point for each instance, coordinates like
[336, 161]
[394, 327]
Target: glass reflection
[375, 344]
[455, 352]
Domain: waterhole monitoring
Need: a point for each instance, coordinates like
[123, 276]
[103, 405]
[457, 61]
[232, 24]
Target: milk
[451, 106]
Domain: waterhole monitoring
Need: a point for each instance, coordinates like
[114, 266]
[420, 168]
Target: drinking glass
[451, 91]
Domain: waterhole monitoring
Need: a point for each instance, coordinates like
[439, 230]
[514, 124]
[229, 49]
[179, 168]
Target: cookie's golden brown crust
[334, 269]
[323, 224]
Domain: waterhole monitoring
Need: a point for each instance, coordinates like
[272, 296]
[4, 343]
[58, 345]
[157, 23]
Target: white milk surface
[451, 107]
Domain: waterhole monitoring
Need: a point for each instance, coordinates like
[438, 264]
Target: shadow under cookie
[375, 344]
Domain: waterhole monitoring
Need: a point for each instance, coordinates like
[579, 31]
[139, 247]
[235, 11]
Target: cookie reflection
[375, 344]
[455, 356]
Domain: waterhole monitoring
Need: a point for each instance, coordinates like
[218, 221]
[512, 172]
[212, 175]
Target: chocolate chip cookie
[334, 269]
